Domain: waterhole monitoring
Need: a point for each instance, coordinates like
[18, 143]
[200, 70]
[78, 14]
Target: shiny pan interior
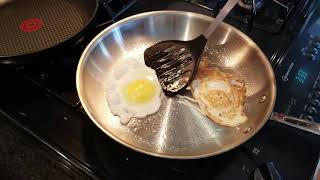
[178, 130]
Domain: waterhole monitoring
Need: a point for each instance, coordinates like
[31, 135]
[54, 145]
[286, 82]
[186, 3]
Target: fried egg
[220, 95]
[133, 90]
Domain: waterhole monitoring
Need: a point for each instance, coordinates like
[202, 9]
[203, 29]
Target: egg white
[123, 73]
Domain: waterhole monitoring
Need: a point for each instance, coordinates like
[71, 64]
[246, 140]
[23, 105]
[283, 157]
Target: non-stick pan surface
[177, 130]
[29, 26]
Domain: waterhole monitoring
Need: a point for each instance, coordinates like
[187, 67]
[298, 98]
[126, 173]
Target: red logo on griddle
[31, 25]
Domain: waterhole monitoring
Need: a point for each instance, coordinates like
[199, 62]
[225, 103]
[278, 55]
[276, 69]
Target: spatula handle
[220, 17]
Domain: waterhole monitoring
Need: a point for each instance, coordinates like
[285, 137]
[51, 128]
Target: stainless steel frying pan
[177, 130]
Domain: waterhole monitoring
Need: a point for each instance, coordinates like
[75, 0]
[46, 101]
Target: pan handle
[296, 122]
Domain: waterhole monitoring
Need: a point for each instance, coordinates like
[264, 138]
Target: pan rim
[83, 100]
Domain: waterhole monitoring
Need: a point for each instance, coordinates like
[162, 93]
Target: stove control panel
[298, 76]
[299, 90]
[311, 50]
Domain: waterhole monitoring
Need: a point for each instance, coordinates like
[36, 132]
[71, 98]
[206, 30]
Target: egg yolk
[139, 91]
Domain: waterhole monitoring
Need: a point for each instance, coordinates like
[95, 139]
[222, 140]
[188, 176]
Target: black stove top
[39, 104]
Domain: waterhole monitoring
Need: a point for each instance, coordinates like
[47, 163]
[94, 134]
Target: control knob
[312, 50]
[311, 57]
[315, 102]
[312, 110]
[315, 45]
[307, 117]
[317, 93]
[315, 38]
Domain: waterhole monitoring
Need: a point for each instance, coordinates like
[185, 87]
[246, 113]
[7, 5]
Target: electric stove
[45, 133]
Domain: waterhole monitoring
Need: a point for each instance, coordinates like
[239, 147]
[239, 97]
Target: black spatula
[176, 62]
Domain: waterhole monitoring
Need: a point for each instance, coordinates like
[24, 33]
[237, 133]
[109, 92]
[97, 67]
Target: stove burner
[248, 4]
[266, 15]
[122, 162]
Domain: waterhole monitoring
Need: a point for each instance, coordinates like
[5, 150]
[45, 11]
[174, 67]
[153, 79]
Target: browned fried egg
[220, 95]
